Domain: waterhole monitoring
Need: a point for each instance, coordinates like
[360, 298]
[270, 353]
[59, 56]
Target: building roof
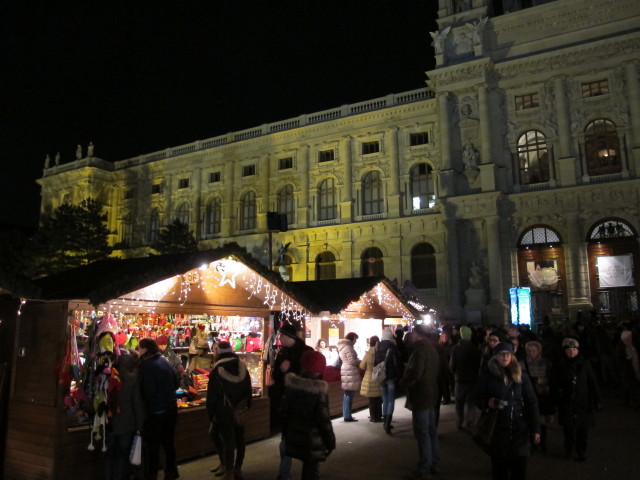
[335, 296]
[105, 280]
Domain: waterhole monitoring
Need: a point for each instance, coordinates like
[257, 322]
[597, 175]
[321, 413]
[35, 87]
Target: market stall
[362, 305]
[190, 300]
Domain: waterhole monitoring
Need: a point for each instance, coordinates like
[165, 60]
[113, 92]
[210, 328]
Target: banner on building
[616, 271]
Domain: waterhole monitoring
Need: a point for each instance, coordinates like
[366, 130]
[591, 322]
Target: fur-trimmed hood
[513, 371]
[225, 374]
[310, 385]
[343, 342]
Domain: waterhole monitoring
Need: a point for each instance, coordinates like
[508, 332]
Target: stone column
[485, 124]
[165, 219]
[565, 161]
[345, 157]
[446, 172]
[197, 221]
[227, 224]
[577, 267]
[265, 177]
[453, 267]
[393, 195]
[302, 205]
[493, 258]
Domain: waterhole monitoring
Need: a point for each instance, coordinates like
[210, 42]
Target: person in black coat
[307, 432]
[158, 385]
[576, 393]
[505, 387]
[228, 391]
[465, 364]
[388, 350]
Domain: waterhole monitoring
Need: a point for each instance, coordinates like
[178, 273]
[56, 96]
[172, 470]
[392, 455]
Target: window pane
[423, 266]
[326, 200]
[422, 187]
[602, 148]
[248, 211]
[372, 194]
[286, 203]
[533, 158]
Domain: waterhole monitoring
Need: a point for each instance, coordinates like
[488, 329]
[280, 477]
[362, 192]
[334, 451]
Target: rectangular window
[248, 170]
[593, 89]
[129, 194]
[155, 189]
[420, 138]
[214, 177]
[530, 100]
[325, 156]
[285, 163]
[183, 183]
[370, 147]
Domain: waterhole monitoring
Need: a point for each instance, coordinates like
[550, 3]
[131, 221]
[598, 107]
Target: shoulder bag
[379, 373]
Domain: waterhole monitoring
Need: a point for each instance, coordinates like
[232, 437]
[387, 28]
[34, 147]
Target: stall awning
[373, 297]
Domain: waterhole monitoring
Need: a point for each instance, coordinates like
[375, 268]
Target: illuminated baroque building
[518, 164]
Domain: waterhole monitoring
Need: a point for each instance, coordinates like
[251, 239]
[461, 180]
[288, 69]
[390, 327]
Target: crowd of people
[529, 380]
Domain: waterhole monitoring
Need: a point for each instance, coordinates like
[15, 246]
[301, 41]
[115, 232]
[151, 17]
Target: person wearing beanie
[158, 385]
[505, 387]
[228, 400]
[370, 388]
[388, 386]
[307, 433]
[464, 365]
[420, 381]
[288, 360]
[574, 386]
[349, 373]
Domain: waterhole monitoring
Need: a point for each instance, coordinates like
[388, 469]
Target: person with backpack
[228, 399]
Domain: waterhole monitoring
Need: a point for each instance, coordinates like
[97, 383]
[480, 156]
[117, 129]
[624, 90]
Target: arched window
[327, 208]
[539, 236]
[372, 194]
[213, 219]
[610, 230]
[182, 213]
[602, 147]
[423, 193]
[533, 158]
[154, 226]
[371, 263]
[127, 230]
[248, 211]
[286, 203]
[325, 266]
[423, 266]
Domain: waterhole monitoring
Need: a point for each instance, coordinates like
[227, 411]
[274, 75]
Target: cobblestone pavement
[364, 451]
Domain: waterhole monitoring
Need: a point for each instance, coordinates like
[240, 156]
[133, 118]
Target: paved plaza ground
[364, 451]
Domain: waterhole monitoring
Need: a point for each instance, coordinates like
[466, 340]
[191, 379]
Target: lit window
[533, 158]
[530, 100]
[423, 193]
[594, 89]
[371, 263]
[602, 147]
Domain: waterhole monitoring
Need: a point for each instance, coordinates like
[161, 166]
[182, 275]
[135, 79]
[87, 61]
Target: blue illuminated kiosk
[520, 302]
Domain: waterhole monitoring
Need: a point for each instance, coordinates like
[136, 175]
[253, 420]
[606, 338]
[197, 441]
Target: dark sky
[135, 77]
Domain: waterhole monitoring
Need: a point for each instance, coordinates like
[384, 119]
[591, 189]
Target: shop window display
[96, 337]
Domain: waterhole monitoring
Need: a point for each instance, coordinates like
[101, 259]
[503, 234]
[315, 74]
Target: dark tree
[74, 235]
[176, 238]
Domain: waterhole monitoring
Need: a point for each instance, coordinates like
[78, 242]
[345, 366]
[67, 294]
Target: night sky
[134, 77]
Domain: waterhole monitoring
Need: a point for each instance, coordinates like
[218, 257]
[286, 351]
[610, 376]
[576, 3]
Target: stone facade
[530, 122]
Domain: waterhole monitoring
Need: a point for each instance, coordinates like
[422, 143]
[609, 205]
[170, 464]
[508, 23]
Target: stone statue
[478, 29]
[90, 150]
[470, 157]
[282, 251]
[475, 276]
[57, 159]
[47, 161]
[438, 40]
[78, 152]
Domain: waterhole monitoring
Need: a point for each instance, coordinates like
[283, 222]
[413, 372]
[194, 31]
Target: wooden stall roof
[104, 280]
[334, 296]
